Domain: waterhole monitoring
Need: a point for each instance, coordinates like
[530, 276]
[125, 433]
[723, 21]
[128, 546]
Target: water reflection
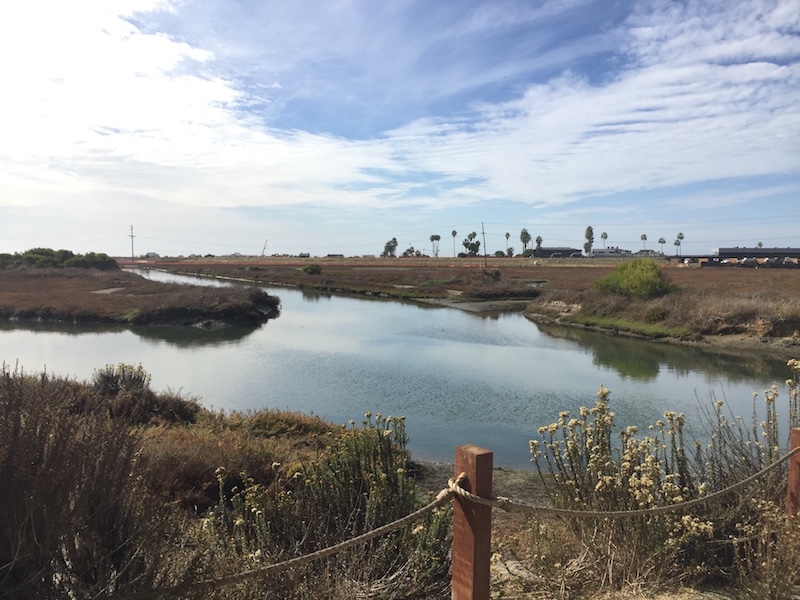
[642, 360]
[178, 336]
[64, 327]
[194, 337]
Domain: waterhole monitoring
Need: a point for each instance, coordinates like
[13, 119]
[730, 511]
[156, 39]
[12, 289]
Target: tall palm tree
[525, 238]
[508, 235]
[435, 244]
[454, 233]
[604, 237]
[680, 239]
[662, 241]
[644, 240]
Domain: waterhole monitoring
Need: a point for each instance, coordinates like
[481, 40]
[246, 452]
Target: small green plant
[312, 269]
[638, 278]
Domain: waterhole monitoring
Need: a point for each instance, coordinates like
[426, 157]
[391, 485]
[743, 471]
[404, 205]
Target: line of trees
[41, 258]
[472, 244]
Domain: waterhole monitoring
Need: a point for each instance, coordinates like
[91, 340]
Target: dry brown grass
[90, 295]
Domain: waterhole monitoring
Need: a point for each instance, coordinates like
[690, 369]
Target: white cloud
[100, 102]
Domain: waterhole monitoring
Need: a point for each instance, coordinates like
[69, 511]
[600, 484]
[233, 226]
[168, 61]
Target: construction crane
[264, 249]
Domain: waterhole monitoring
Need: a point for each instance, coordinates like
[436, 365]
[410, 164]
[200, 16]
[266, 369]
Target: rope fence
[472, 525]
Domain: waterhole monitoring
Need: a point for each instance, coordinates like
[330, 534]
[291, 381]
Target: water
[457, 377]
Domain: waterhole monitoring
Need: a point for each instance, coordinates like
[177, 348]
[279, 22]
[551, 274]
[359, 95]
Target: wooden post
[472, 526]
[793, 489]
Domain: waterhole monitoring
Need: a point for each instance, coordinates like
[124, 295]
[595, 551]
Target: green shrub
[638, 278]
[47, 257]
[312, 269]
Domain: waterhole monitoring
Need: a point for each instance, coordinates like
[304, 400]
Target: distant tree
[677, 247]
[589, 235]
[680, 240]
[471, 244]
[509, 252]
[662, 241]
[644, 241]
[604, 237]
[454, 233]
[435, 244]
[760, 244]
[508, 235]
[525, 238]
[47, 257]
[538, 242]
[410, 251]
[390, 249]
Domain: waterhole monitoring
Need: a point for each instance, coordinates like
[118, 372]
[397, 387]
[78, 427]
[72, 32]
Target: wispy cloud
[354, 105]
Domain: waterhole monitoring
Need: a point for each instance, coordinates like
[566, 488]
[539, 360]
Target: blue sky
[215, 126]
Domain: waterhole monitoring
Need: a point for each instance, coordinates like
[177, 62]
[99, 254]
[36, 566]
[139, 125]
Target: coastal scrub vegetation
[742, 539]
[639, 278]
[40, 258]
[111, 488]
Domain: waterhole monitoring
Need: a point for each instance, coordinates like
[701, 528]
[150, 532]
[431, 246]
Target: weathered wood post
[472, 526]
[793, 488]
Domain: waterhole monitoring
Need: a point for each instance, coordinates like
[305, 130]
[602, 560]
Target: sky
[333, 126]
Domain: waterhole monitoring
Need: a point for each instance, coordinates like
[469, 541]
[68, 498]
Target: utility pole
[133, 260]
[483, 233]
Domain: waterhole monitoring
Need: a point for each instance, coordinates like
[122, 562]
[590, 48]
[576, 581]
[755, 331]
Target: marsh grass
[72, 295]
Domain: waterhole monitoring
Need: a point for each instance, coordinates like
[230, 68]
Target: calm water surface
[457, 377]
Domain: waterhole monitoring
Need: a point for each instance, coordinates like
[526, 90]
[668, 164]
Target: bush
[41, 258]
[312, 269]
[737, 538]
[359, 483]
[74, 520]
[638, 278]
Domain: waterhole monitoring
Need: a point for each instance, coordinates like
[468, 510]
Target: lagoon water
[457, 377]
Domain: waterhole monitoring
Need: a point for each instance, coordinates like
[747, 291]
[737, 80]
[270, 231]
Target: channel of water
[457, 377]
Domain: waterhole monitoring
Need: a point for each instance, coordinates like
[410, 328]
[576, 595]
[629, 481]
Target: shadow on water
[193, 337]
[643, 360]
[181, 337]
[64, 327]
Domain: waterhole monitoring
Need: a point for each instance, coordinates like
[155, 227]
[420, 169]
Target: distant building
[612, 252]
[763, 253]
[555, 252]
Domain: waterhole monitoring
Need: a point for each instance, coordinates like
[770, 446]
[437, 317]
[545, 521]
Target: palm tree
[680, 239]
[454, 233]
[644, 240]
[589, 235]
[662, 241]
[508, 235]
[525, 238]
[435, 244]
[604, 237]
[538, 242]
